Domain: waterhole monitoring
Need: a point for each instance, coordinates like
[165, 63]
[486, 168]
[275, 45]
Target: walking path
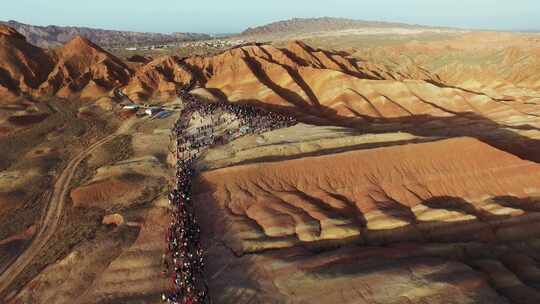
[200, 126]
[51, 219]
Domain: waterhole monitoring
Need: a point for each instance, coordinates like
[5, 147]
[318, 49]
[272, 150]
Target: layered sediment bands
[317, 85]
[70, 277]
[331, 88]
[123, 266]
[78, 69]
[327, 85]
[249, 68]
[402, 273]
[408, 185]
[84, 69]
[298, 141]
[136, 275]
[23, 67]
[415, 192]
[339, 97]
[408, 223]
[498, 63]
[158, 79]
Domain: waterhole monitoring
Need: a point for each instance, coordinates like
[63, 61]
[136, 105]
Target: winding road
[51, 218]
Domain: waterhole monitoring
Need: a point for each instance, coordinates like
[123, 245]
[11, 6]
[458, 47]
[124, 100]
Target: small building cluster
[149, 47]
[216, 43]
[154, 112]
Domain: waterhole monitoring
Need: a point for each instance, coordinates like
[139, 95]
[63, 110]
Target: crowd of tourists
[185, 252]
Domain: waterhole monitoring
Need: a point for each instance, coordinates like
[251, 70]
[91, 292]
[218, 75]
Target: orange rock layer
[412, 191]
[78, 69]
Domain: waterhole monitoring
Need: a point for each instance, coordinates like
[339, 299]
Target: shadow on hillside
[530, 204]
[447, 86]
[460, 124]
[460, 205]
[330, 56]
[282, 92]
[198, 73]
[476, 230]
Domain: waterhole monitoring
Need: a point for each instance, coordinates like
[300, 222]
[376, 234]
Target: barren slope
[415, 210]
[84, 69]
[23, 67]
[503, 65]
[78, 69]
[335, 197]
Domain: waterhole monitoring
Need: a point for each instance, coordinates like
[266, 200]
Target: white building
[152, 111]
[131, 107]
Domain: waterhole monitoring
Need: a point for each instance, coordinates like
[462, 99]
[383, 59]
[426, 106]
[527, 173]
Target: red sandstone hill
[498, 63]
[452, 213]
[255, 68]
[81, 68]
[86, 69]
[310, 199]
[23, 67]
[78, 69]
[316, 85]
[327, 87]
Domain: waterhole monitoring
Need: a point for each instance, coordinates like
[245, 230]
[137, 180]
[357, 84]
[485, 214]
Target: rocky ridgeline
[54, 36]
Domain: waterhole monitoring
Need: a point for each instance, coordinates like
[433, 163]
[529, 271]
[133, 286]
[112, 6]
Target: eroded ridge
[416, 192]
[227, 122]
[418, 222]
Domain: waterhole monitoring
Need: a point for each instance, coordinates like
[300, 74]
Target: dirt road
[51, 218]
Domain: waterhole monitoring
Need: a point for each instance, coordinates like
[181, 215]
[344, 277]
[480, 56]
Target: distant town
[214, 43]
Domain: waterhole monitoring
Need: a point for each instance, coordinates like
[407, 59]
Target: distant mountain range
[53, 36]
[301, 25]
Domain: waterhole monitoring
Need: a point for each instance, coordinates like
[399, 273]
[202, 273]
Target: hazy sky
[213, 16]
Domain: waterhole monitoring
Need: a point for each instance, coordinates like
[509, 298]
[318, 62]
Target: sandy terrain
[432, 216]
[412, 177]
[360, 194]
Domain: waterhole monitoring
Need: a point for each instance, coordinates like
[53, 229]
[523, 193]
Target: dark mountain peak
[54, 36]
[10, 32]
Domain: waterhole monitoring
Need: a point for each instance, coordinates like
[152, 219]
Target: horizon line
[455, 27]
